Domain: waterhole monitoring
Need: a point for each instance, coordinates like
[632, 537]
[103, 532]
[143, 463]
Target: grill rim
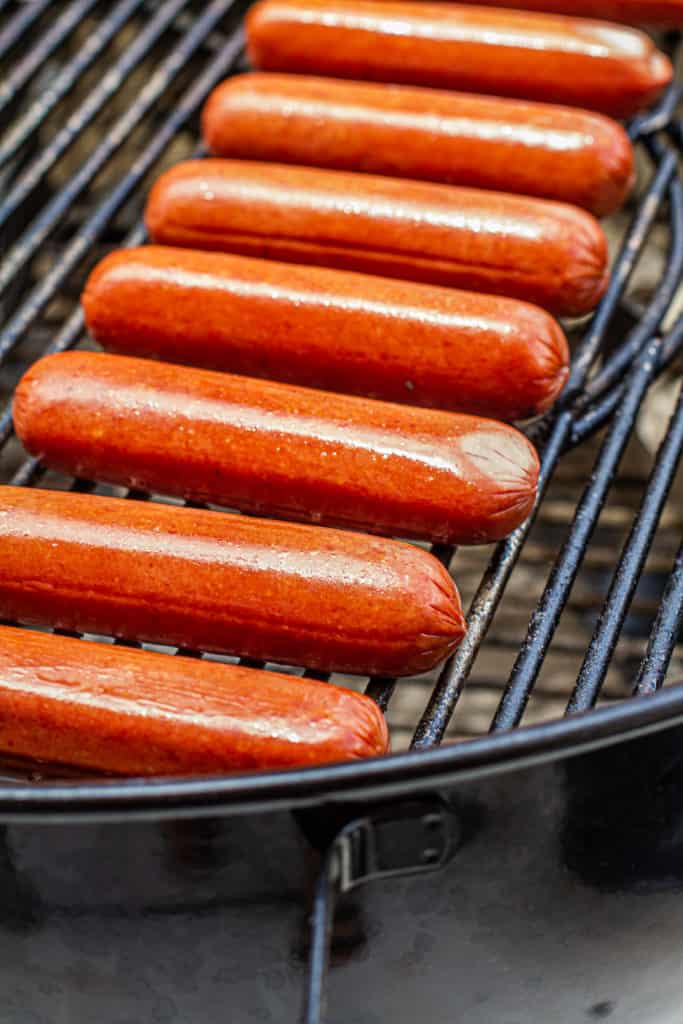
[377, 778]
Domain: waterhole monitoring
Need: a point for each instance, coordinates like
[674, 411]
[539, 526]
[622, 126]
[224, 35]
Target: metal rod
[95, 43]
[664, 635]
[629, 569]
[88, 233]
[624, 266]
[381, 691]
[613, 370]
[448, 690]
[659, 118]
[545, 619]
[597, 415]
[35, 58]
[322, 918]
[671, 344]
[21, 23]
[29, 472]
[446, 694]
[72, 330]
[649, 320]
[30, 241]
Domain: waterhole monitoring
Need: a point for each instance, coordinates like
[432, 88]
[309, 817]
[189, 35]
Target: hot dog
[655, 13]
[545, 252]
[545, 57]
[226, 583]
[536, 149]
[109, 709]
[329, 329]
[277, 449]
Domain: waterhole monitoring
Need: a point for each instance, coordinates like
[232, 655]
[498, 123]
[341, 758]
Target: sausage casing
[536, 56]
[536, 149]
[231, 584]
[105, 708]
[276, 449]
[549, 253]
[329, 329]
[654, 13]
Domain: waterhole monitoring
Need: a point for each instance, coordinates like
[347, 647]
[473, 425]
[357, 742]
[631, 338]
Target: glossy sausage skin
[654, 13]
[547, 57]
[104, 708]
[540, 251]
[276, 449]
[225, 583]
[329, 329]
[535, 149]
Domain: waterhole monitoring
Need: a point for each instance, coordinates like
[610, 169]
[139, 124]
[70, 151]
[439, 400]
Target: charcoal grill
[514, 870]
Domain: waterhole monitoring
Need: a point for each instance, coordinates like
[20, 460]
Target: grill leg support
[413, 837]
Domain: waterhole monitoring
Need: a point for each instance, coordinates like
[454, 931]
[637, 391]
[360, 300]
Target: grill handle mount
[408, 838]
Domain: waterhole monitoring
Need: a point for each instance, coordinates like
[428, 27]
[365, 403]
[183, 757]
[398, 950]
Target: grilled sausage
[277, 449]
[536, 149]
[545, 57]
[533, 249]
[226, 583]
[655, 13]
[105, 708]
[329, 329]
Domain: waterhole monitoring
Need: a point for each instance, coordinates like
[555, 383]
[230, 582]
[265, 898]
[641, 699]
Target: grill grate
[97, 98]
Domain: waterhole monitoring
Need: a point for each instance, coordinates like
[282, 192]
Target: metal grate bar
[451, 683]
[29, 243]
[631, 563]
[96, 42]
[670, 345]
[381, 690]
[623, 268]
[547, 615]
[20, 23]
[27, 474]
[449, 688]
[598, 414]
[611, 374]
[6, 427]
[41, 294]
[37, 55]
[73, 329]
[665, 633]
[648, 322]
[659, 118]
[652, 318]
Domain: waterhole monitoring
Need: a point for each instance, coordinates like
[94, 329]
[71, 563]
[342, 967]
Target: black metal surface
[55, 34]
[564, 899]
[544, 623]
[630, 564]
[444, 699]
[664, 634]
[67, 200]
[31, 176]
[409, 839]
[19, 24]
[94, 45]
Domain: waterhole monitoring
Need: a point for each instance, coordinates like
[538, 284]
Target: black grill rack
[96, 98]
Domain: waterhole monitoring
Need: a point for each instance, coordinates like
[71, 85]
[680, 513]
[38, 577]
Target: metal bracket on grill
[408, 838]
[414, 837]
